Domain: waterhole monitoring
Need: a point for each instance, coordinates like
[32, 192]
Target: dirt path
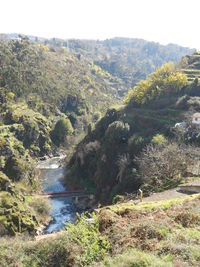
[166, 195]
[169, 194]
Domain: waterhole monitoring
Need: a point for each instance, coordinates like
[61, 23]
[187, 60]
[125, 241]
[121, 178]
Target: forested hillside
[128, 59]
[52, 75]
[131, 145]
[53, 94]
[46, 96]
[49, 96]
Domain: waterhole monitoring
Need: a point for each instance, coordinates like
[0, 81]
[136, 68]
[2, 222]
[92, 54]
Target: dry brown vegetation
[161, 229]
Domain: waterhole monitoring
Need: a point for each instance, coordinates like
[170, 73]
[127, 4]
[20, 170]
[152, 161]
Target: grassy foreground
[165, 233]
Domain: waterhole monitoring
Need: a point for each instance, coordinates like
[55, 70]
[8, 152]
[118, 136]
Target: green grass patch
[137, 258]
[150, 206]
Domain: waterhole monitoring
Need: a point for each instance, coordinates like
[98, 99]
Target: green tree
[164, 81]
[159, 139]
[117, 132]
[62, 129]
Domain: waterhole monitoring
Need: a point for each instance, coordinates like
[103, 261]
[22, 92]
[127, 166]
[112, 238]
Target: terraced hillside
[106, 160]
[191, 66]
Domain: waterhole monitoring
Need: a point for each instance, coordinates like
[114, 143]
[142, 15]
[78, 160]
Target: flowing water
[63, 209]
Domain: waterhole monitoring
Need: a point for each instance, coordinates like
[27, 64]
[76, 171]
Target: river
[63, 209]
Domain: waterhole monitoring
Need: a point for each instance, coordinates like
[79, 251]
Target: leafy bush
[135, 144]
[80, 244]
[62, 129]
[165, 80]
[159, 139]
[86, 235]
[117, 132]
[2, 162]
[41, 207]
[15, 215]
[117, 199]
[181, 103]
[4, 180]
[137, 258]
[19, 147]
[16, 168]
[122, 163]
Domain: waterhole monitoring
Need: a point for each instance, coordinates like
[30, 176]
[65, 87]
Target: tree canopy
[62, 128]
[164, 81]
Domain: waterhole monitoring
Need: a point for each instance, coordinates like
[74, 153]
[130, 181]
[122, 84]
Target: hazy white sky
[165, 21]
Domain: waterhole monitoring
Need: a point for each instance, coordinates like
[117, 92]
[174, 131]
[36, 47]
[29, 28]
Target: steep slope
[24, 135]
[106, 160]
[191, 66]
[38, 88]
[164, 233]
[128, 59]
[33, 70]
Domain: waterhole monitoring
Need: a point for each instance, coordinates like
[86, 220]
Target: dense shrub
[181, 103]
[15, 215]
[159, 139]
[16, 168]
[137, 258]
[87, 236]
[165, 80]
[4, 181]
[135, 144]
[62, 129]
[163, 166]
[117, 199]
[41, 207]
[122, 163]
[117, 132]
[2, 162]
